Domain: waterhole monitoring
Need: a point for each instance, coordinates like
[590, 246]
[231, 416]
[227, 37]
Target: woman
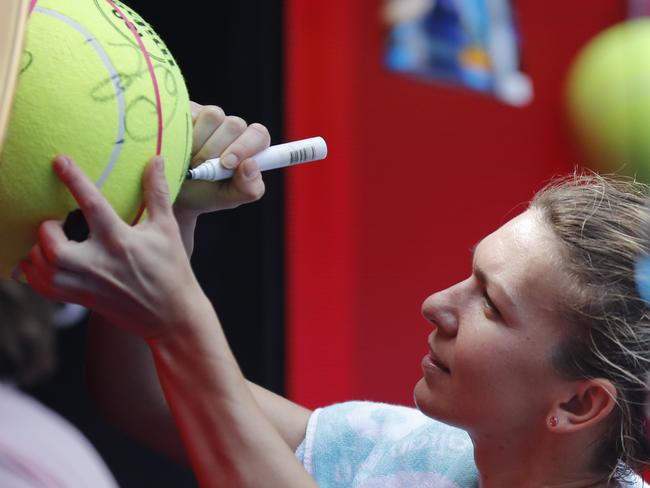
[540, 356]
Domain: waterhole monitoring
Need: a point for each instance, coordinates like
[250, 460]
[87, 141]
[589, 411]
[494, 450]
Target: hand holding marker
[279, 156]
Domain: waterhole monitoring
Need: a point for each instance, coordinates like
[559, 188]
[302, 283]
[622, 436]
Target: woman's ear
[589, 403]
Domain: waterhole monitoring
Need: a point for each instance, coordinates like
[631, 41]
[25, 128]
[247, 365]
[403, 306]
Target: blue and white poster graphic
[471, 43]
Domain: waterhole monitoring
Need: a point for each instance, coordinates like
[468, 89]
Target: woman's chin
[424, 398]
[433, 404]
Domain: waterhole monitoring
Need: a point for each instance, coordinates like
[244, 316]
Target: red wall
[417, 173]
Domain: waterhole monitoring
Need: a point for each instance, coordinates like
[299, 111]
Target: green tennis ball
[609, 99]
[97, 84]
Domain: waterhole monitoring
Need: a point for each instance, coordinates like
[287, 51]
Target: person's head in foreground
[27, 349]
[542, 353]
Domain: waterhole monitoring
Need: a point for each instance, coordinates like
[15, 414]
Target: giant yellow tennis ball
[609, 98]
[97, 84]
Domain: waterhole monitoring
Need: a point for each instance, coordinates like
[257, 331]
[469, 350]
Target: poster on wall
[470, 43]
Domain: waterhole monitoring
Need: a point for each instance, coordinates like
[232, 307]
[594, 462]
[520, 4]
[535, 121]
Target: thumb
[156, 190]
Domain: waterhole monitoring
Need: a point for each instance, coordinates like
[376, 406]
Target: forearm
[229, 440]
[122, 378]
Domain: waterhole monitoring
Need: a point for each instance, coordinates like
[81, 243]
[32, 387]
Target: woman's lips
[432, 362]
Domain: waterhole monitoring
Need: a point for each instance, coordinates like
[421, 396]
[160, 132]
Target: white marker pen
[279, 156]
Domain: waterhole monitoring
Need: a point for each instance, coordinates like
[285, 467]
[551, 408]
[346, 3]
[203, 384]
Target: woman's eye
[489, 305]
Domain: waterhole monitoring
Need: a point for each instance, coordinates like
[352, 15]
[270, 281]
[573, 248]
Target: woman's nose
[440, 309]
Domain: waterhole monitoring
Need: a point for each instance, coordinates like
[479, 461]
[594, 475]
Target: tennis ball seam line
[156, 88]
[152, 73]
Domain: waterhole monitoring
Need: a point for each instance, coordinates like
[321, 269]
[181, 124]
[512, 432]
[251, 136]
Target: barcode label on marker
[302, 155]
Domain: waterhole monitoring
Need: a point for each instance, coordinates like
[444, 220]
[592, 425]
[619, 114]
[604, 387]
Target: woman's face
[489, 367]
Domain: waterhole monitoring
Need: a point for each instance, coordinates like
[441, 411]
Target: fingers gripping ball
[97, 84]
[609, 99]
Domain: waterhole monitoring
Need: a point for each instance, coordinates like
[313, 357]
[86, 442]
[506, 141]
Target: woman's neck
[533, 462]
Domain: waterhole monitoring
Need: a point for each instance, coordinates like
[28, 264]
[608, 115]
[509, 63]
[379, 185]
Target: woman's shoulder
[376, 419]
[378, 441]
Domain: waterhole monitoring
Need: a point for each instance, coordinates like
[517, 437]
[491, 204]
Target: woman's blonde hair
[603, 223]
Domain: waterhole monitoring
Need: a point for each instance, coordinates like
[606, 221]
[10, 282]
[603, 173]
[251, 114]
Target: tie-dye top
[371, 445]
